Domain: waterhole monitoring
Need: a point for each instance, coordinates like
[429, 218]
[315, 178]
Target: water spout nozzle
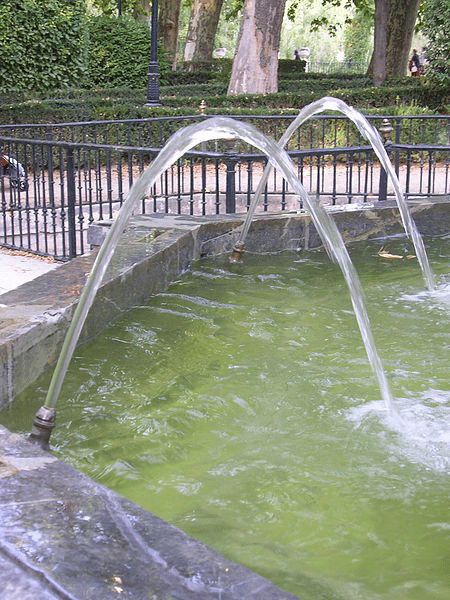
[43, 424]
[236, 254]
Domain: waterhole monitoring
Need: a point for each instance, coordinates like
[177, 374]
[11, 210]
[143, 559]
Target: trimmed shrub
[126, 103]
[119, 51]
[42, 44]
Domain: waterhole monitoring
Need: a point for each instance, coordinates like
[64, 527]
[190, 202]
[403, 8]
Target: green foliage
[119, 51]
[52, 45]
[358, 38]
[42, 44]
[436, 26]
[402, 96]
[109, 7]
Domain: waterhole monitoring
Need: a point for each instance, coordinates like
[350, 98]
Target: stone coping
[64, 536]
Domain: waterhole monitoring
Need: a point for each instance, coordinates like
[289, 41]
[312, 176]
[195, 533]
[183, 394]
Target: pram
[14, 171]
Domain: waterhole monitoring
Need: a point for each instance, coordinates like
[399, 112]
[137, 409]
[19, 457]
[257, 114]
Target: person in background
[296, 55]
[414, 64]
[422, 61]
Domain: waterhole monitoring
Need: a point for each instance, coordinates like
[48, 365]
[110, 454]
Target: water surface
[240, 406]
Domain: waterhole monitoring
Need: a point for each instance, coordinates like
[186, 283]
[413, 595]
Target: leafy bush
[362, 98]
[119, 51]
[436, 26]
[42, 44]
[123, 103]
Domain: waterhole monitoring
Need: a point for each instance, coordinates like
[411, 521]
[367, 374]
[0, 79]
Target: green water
[240, 407]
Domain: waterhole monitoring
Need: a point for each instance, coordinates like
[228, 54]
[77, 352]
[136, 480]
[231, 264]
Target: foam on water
[437, 298]
[421, 434]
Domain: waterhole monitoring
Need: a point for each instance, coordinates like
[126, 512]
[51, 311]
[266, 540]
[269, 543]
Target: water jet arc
[369, 133]
[181, 142]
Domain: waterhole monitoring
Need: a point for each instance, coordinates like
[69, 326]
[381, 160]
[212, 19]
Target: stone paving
[16, 268]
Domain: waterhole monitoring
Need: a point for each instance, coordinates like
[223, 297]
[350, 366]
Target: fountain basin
[172, 252]
[35, 317]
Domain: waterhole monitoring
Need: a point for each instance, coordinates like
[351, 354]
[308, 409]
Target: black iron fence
[70, 179]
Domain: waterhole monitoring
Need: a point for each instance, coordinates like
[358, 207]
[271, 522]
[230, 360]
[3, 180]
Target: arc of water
[371, 134]
[177, 146]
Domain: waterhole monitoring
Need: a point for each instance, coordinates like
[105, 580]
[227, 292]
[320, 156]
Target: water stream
[177, 146]
[372, 135]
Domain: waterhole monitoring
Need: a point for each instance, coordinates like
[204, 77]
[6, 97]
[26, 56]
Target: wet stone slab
[64, 536]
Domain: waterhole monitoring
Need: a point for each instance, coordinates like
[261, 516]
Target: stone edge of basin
[64, 536]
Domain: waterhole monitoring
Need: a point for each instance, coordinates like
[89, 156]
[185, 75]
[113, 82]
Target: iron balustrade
[73, 182]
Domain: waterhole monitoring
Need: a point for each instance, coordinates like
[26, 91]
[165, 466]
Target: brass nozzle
[43, 424]
[236, 254]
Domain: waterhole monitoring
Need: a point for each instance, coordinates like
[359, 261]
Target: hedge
[42, 44]
[119, 51]
[124, 103]
[51, 45]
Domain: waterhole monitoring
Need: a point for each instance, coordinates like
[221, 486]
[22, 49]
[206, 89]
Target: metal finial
[386, 130]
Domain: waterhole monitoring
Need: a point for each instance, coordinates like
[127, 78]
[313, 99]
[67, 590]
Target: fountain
[303, 475]
[179, 144]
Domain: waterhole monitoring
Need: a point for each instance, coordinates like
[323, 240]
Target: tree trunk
[169, 13]
[202, 30]
[255, 65]
[402, 19]
[399, 18]
[380, 41]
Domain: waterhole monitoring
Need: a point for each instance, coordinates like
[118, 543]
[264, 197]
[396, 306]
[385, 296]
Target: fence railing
[322, 131]
[70, 184]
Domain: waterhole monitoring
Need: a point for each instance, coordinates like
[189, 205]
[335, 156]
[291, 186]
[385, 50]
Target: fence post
[71, 196]
[386, 130]
[231, 159]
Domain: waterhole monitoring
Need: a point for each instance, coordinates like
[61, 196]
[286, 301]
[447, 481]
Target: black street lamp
[153, 67]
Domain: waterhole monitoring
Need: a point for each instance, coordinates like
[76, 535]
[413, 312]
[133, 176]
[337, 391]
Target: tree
[400, 30]
[169, 14]
[202, 30]
[255, 65]
[394, 22]
[380, 38]
[138, 9]
[394, 28]
[357, 38]
[142, 9]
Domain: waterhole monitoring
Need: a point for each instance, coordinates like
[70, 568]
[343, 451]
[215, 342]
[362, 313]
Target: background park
[226, 428]
[79, 60]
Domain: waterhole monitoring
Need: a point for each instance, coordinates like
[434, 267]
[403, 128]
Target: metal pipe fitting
[43, 424]
[236, 254]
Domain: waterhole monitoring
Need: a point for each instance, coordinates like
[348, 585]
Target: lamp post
[153, 67]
